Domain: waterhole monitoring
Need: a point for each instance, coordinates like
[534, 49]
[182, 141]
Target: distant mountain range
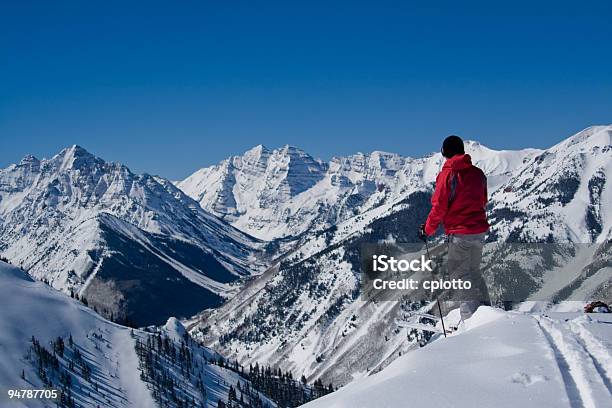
[285, 192]
[268, 241]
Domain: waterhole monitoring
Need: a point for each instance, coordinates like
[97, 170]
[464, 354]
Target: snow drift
[500, 359]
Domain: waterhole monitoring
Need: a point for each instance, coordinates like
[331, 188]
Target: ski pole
[437, 298]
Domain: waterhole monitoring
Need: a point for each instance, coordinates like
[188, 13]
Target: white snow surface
[32, 308]
[498, 359]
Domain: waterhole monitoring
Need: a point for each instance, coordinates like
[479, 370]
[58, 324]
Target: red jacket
[460, 198]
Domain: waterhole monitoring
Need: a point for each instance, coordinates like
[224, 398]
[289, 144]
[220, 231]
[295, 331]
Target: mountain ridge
[54, 222]
[249, 190]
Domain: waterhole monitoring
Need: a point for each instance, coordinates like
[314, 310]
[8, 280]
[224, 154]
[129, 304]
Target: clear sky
[168, 87]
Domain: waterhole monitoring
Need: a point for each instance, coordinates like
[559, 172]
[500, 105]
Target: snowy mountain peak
[262, 153]
[255, 153]
[290, 149]
[479, 150]
[470, 142]
[260, 178]
[75, 152]
[294, 156]
[29, 160]
[585, 140]
[386, 156]
[75, 157]
[560, 194]
[472, 146]
[175, 328]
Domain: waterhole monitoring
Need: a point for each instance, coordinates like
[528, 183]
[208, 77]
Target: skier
[459, 204]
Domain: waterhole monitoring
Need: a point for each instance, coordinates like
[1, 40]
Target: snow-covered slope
[96, 362]
[285, 192]
[95, 228]
[306, 314]
[560, 195]
[501, 359]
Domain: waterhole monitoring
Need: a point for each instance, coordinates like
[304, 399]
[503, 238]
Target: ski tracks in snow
[602, 360]
[584, 363]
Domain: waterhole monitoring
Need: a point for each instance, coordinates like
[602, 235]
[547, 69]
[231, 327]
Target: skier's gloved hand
[422, 234]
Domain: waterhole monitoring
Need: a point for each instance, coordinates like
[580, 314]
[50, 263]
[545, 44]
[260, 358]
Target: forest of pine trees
[161, 359]
[279, 386]
[282, 388]
[54, 374]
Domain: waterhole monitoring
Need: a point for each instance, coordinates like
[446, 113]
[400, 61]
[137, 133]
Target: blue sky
[169, 87]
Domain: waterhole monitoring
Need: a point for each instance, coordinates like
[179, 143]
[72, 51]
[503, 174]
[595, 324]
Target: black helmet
[452, 146]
